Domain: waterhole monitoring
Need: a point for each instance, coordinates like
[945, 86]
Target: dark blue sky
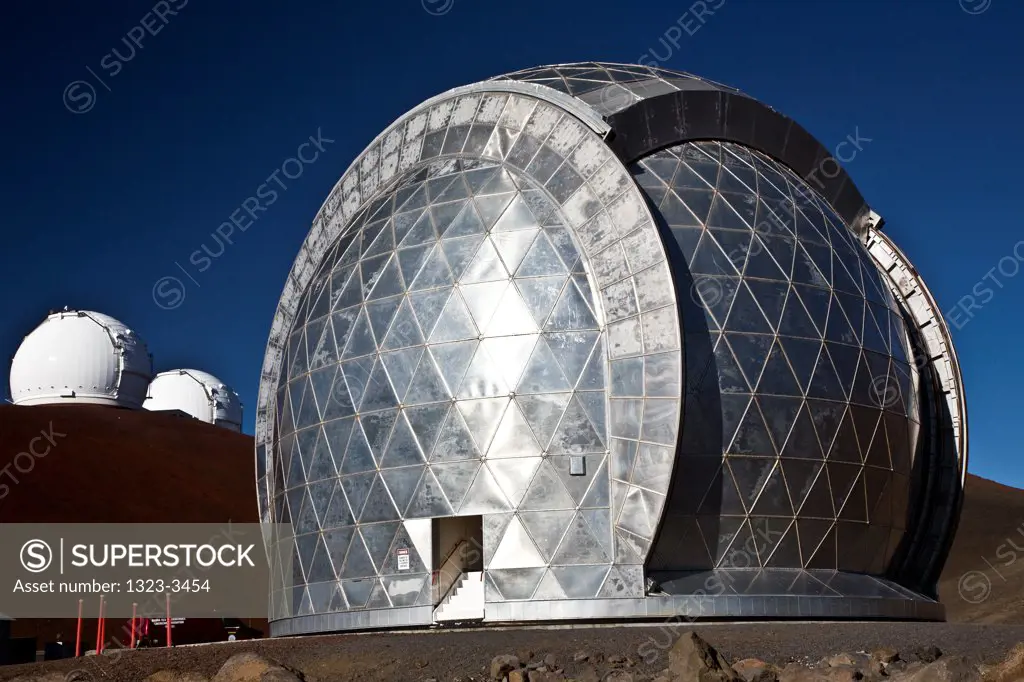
[100, 205]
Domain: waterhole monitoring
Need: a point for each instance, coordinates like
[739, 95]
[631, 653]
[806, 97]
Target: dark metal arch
[666, 120]
[686, 115]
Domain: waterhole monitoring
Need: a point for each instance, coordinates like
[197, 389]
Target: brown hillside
[992, 519]
[108, 465]
[124, 466]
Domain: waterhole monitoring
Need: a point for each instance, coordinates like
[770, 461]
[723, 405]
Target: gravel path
[462, 655]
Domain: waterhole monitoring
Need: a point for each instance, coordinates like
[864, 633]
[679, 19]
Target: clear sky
[116, 181]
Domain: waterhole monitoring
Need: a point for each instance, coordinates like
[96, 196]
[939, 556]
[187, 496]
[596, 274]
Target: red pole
[78, 634]
[132, 645]
[103, 626]
[168, 595]
[99, 629]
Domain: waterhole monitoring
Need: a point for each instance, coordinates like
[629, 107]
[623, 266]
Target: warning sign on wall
[403, 559]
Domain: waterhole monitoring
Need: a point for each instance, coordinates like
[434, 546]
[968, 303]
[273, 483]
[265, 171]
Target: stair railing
[448, 576]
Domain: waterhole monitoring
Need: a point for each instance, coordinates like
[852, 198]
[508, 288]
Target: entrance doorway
[458, 564]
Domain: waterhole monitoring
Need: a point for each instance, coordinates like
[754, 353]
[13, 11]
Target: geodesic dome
[640, 329]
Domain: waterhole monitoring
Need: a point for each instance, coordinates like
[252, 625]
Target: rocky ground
[934, 651]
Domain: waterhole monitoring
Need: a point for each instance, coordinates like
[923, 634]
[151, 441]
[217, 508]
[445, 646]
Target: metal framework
[612, 311]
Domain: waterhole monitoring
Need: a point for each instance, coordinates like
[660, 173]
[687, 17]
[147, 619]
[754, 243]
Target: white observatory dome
[197, 393]
[79, 356]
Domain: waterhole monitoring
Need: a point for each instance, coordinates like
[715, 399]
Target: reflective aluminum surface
[681, 371]
[449, 356]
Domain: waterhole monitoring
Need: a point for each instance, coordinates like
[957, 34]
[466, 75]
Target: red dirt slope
[122, 466]
[108, 465]
[983, 580]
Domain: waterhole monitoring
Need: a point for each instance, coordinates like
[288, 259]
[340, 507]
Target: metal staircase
[465, 601]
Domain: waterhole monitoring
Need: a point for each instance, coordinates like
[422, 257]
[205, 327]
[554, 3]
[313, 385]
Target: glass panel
[402, 450]
[459, 252]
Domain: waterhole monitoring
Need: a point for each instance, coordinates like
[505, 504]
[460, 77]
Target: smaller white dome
[197, 393]
[79, 356]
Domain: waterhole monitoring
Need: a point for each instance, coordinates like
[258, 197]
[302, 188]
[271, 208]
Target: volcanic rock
[250, 667]
[847, 660]
[945, 669]
[503, 665]
[169, 676]
[691, 659]
[545, 676]
[1011, 669]
[755, 670]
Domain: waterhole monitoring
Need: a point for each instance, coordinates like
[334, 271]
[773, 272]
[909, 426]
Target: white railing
[447, 577]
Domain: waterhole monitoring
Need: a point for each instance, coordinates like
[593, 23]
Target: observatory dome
[198, 393]
[604, 341]
[81, 356]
